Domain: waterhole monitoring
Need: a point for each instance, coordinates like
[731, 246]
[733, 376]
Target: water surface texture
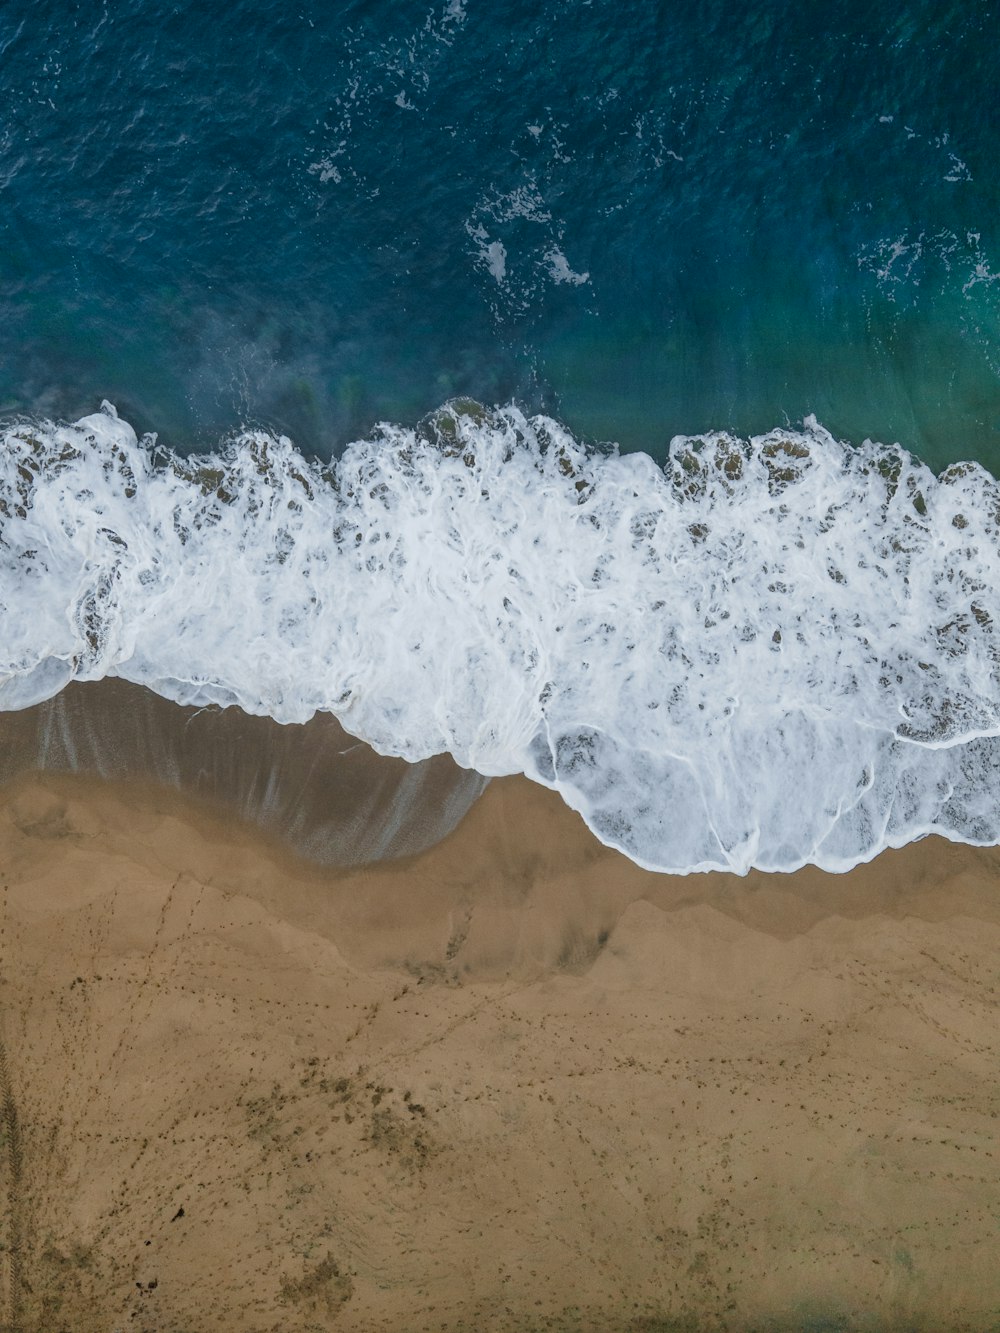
[645, 220]
[610, 394]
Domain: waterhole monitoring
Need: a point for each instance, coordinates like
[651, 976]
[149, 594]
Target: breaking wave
[765, 652]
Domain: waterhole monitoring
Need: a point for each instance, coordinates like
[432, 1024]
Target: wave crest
[765, 653]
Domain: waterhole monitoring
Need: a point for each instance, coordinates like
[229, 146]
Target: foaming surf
[763, 653]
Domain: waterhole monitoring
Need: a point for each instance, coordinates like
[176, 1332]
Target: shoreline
[509, 1083]
[323, 792]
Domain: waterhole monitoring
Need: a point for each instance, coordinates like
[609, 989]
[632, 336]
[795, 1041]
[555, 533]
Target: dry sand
[511, 1083]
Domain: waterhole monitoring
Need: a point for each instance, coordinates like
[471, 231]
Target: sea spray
[765, 652]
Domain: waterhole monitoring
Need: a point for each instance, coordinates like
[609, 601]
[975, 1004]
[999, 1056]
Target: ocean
[608, 395]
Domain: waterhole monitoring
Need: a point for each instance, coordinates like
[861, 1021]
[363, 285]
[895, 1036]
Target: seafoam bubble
[766, 652]
[560, 270]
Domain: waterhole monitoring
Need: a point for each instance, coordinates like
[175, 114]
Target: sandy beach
[476, 479]
[510, 1082]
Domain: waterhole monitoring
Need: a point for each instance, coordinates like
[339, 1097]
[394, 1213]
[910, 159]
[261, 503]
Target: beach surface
[511, 1082]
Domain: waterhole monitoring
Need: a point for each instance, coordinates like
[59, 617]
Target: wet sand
[315, 787]
[508, 1083]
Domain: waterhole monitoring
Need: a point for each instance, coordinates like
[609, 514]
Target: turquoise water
[712, 216]
[753, 247]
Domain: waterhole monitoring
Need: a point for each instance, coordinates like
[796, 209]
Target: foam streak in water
[767, 652]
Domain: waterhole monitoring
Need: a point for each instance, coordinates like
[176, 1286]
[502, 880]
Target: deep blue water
[648, 221]
[645, 219]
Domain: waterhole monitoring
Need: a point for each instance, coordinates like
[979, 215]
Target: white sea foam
[766, 653]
